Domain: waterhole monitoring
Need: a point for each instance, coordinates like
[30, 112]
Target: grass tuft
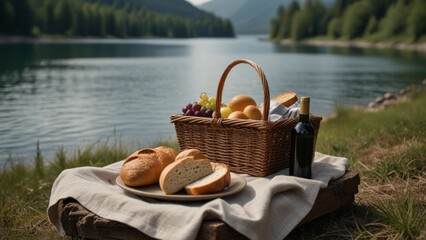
[39, 162]
[406, 216]
[25, 190]
[405, 163]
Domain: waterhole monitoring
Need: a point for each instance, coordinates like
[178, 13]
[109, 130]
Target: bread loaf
[212, 183]
[144, 166]
[197, 154]
[183, 172]
[286, 98]
[170, 151]
[166, 155]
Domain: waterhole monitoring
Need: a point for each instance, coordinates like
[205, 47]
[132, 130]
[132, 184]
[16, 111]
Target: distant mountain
[179, 8]
[109, 18]
[248, 16]
[206, 23]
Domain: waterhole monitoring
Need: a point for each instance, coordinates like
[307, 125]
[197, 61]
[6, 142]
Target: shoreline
[418, 47]
[394, 97]
[19, 39]
[385, 100]
[23, 39]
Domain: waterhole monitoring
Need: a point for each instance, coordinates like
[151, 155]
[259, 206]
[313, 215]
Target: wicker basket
[257, 148]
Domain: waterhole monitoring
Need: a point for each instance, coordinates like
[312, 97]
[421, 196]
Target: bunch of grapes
[204, 107]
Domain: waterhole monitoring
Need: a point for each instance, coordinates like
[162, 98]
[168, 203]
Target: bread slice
[183, 172]
[286, 98]
[212, 183]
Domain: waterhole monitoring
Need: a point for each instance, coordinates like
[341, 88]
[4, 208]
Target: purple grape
[196, 107]
[198, 113]
[208, 113]
[189, 113]
[184, 109]
[189, 106]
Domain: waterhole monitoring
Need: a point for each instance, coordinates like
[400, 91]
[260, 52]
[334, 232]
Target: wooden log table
[77, 221]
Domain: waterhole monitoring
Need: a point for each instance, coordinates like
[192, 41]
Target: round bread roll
[141, 170]
[239, 102]
[144, 166]
[192, 152]
[237, 115]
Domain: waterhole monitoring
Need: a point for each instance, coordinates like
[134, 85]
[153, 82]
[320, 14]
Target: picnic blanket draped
[267, 208]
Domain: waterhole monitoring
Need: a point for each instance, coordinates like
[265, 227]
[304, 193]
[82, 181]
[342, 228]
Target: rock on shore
[391, 98]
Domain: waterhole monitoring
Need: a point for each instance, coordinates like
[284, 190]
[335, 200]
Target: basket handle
[266, 96]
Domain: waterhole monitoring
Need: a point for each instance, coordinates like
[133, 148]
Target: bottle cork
[304, 105]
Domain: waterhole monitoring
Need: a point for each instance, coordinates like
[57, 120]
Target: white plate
[154, 191]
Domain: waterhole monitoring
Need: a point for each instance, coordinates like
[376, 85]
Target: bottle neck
[304, 109]
[303, 117]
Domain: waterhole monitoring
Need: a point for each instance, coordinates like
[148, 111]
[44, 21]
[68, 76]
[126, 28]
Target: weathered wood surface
[77, 221]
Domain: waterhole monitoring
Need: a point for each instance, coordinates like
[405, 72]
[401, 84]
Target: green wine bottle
[302, 143]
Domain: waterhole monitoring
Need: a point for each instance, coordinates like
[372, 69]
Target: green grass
[354, 133]
[405, 164]
[25, 190]
[387, 148]
[403, 214]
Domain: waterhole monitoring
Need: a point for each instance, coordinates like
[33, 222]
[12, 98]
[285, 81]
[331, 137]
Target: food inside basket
[189, 170]
[254, 147]
[284, 105]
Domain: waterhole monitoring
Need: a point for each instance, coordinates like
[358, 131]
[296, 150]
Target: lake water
[75, 92]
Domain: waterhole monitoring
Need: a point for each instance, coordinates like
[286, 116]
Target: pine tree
[395, 21]
[356, 18]
[417, 19]
[7, 16]
[285, 21]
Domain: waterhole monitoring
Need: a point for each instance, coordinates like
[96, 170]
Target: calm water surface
[72, 93]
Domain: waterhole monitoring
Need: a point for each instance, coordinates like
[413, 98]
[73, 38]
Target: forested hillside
[248, 16]
[378, 20]
[179, 8]
[109, 18]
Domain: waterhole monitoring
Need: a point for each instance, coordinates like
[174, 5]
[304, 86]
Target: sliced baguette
[212, 183]
[183, 172]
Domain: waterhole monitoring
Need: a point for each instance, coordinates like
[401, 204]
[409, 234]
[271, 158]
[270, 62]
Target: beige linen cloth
[267, 208]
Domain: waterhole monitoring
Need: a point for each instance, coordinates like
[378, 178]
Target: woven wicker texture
[255, 147]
